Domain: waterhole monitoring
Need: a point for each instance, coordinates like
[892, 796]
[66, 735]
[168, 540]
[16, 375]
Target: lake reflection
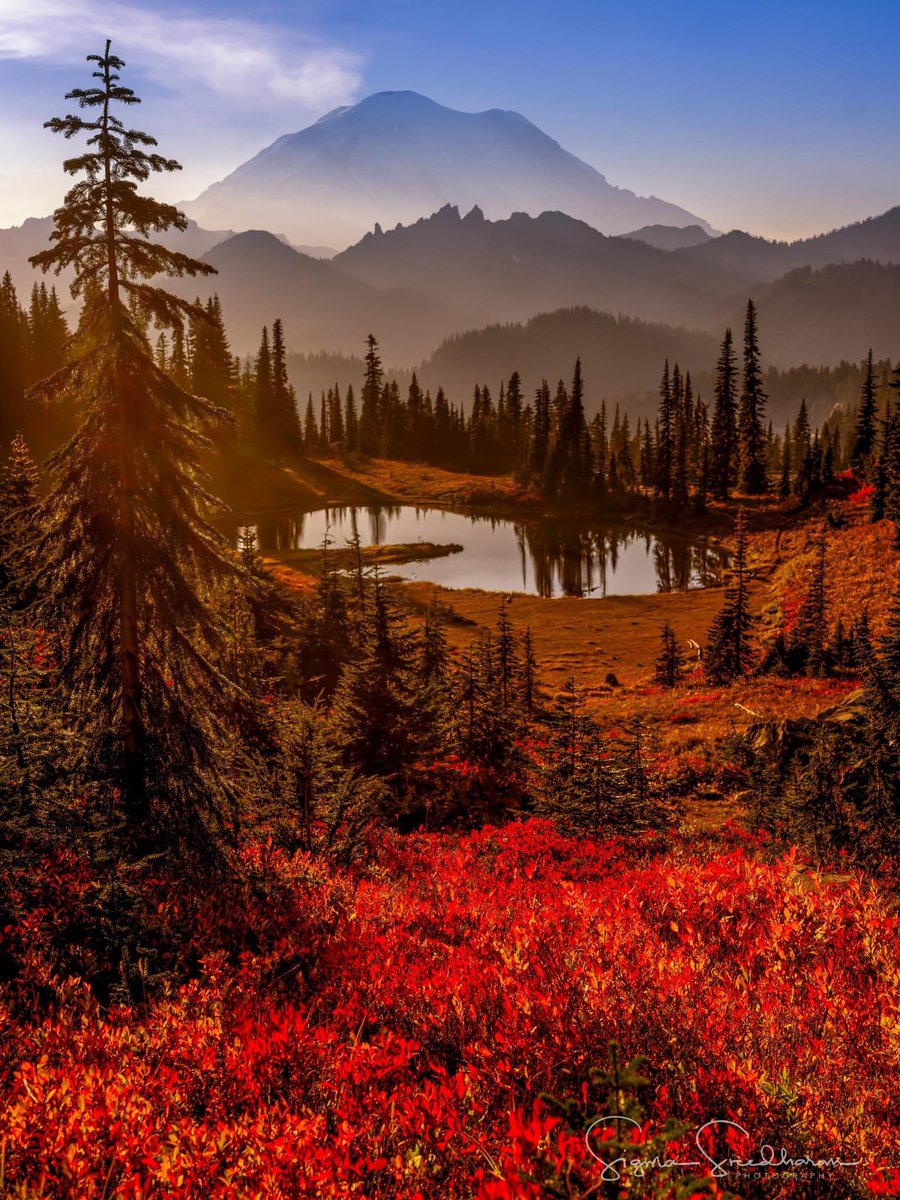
[548, 556]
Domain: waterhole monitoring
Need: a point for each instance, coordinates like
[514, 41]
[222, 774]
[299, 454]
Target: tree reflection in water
[545, 556]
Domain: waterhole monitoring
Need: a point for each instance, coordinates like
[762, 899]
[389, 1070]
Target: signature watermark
[762, 1158]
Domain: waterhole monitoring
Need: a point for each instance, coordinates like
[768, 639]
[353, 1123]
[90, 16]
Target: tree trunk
[134, 783]
[134, 770]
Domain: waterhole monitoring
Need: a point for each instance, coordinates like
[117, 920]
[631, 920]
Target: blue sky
[777, 117]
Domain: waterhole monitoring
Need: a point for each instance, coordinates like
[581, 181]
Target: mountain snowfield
[397, 156]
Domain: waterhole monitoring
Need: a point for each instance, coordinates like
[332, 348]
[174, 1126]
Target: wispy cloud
[238, 59]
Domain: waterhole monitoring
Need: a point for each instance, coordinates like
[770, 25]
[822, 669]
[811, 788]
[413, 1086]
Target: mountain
[619, 355]
[753, 259]
[508, 270]
[448, 275]
[397, 155]
[670, 237]
[260, 278]
[829, 315]
[19, 242]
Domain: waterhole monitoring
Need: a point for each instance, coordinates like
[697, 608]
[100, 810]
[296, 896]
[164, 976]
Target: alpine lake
[537, 555]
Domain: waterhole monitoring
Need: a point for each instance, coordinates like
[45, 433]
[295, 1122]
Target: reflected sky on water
[543, 556]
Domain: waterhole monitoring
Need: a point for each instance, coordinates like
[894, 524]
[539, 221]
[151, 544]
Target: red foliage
[863, 494]
[387, 1032]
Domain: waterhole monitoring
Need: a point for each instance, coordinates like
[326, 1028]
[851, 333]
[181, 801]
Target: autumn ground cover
[435, 1020]
[425, 1024]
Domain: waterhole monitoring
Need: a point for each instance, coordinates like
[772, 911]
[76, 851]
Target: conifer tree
[802, 434]
[601, 451]
[125, 559]
[529, 671]
[570, 465]
[723, 465]
[264, 394]
[664, 436]
[284, 400]
[370, 414]
[13, 359]
[211, 364]
[48, 334]
[892, 458]
[864, 442]
[375, 703]
[20, 478]
[179, 369]
[323, 423]
[310, 428]
[810, 635]
[326, 638]
[351, 422]
[335, 415]
[508, 664]
[329, 804]
[680, 466]
[435, 655]
[540, 433]
[18, 526]
[702, 488]
[514, 418]
[729, 652]
[752, 456]
[784, 489]
[670, 663]
[648, 461]
[881, 475]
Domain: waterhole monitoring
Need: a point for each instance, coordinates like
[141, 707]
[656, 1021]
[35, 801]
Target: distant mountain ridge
[397, 155]
[445, 276]
[670, 237]
[752, 259]
[509, 270]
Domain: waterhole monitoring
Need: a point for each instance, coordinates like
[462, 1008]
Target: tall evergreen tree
[212, 366]
[19, 485]
[284, 400]
[13, 360]
[351, 422]
[264, 395]
[310, 428]
[785, 488]
[864, 442]
[810, 636]
[375, 704]
[752, 447]
[335, 415]
[48, 334]
[540, 433]
[665, 434]
[669, 667]
[179, 369]
[729, 653]
[370, 414]
[126, 559]
[723, 434]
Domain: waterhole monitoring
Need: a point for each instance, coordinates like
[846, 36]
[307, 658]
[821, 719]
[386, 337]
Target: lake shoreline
[539, 553]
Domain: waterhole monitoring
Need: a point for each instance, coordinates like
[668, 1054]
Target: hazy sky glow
[777, 117]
